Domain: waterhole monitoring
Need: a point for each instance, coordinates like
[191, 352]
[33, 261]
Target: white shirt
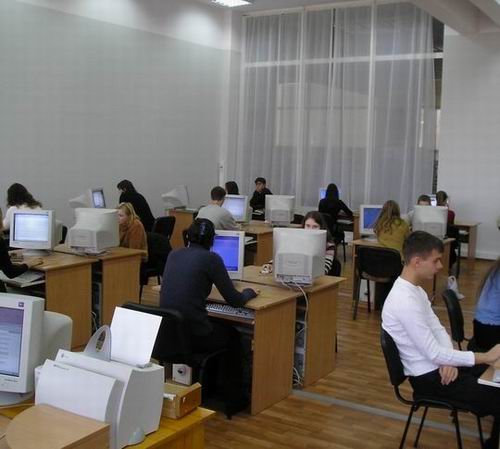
[422, 341]
[10, 212]
[220, 217]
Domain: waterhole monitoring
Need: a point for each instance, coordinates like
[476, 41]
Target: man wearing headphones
[187, 281]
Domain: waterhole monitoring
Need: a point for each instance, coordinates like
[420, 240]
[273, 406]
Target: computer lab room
[249, 224]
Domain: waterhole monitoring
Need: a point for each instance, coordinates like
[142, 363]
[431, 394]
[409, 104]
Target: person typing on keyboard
[187, 281]
[9, 269]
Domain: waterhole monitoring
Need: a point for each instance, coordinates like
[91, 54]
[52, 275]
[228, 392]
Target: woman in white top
[18, 197]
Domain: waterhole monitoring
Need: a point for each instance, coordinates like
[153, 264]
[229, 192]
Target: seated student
[130, 195]
[332, 205]
[425, 349]
[487, 316]
[423, 200]
[18, 198]
[442, 200]
[232, 188]
[9, 269]
[258, 200]
[188, 278]
[314, 220]
[132, 233]
[391, 230]
[220, 217]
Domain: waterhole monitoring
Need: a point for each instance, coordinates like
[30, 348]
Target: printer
[90, 384]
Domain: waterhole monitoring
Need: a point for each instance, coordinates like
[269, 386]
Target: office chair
[457, 321]
[164, 226]
[337, 233]
[158, 250]
[382, 265]
[397, 377]
[173, 344]
[64, 233]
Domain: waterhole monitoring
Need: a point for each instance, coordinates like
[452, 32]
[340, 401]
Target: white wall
[92, 92]
[469, 157]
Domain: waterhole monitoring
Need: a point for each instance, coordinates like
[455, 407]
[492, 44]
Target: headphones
[202, 232]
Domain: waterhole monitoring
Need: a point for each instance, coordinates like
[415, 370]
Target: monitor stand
[7, 398]
[36, 253]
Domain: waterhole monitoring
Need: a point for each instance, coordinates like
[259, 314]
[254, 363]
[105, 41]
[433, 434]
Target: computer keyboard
[27, 277]
[226, 309]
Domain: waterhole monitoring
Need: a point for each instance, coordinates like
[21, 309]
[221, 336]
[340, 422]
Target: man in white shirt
[220, 217]
[426, 350]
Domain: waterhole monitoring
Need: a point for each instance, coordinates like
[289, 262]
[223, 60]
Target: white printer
[90, 384]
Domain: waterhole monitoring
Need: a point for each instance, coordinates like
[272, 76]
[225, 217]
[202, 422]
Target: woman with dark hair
[232, 188]
[487, 316]
[18, 198]
[332, 205]
[391, 230]
[315, 220]
[130, 195]
[9, 269]
[188, 278]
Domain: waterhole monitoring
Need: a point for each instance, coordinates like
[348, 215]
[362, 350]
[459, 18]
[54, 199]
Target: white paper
[133, 335]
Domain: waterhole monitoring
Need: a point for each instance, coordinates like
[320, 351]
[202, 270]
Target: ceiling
[260, 5]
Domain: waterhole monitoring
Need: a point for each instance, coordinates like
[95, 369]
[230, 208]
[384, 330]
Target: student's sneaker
[453, 285]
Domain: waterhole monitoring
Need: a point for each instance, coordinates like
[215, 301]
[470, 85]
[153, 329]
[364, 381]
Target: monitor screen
[237, 205]
[229, 245]
[98, 198]
[368, 216]
[322, 193]
[31, 227]
[11, 333]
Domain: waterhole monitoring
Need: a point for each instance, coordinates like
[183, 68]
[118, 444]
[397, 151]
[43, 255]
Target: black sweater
[187, 281]
[141, 208]
[9, 269]
[333, 208]
[258, 200]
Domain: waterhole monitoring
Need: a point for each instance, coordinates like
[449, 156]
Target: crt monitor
[95, 230]
[230, 245]
[299, 255]
[21, 323]
[368, 215]
[98, 200]
[279, 209]
[237, 205]
[33, 230]
[322, 193]
[430, 219]
[176, 198]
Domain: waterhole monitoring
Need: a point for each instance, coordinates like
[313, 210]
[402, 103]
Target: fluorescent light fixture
[232, 3]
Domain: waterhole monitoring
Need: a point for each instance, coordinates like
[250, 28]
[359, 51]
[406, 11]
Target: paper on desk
[133, 335]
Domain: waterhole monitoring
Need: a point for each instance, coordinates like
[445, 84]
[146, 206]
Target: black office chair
[158, 250]
[336, 231]
[173, 343]
[164, 226]
[64, 234]
[382, 265]
[397, 377]
[457, 321]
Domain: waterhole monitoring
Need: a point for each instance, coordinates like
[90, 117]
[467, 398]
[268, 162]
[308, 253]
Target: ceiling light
[232, 3]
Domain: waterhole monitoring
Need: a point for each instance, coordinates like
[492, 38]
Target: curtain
[342, 95]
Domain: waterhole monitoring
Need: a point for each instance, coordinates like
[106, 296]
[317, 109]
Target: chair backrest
[64, 233]
[392, 359]
[164, 226]
[455, 315]
[173, 342]
[158, 250]
[379, 262]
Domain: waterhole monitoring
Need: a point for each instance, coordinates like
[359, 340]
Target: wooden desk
[183, 219]
[185, 433]
[263, 234]
[273, 343]
[321, 320]
[471, 229]
[68, 290]
[432, 287]
[120, 272]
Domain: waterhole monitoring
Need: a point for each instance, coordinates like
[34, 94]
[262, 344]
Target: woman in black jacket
[141, 206]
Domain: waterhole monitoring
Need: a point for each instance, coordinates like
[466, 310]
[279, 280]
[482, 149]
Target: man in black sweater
[187, 281]
[258, 200]
[141, 207]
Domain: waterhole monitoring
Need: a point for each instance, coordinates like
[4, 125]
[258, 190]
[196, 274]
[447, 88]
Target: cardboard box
[186, 399]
